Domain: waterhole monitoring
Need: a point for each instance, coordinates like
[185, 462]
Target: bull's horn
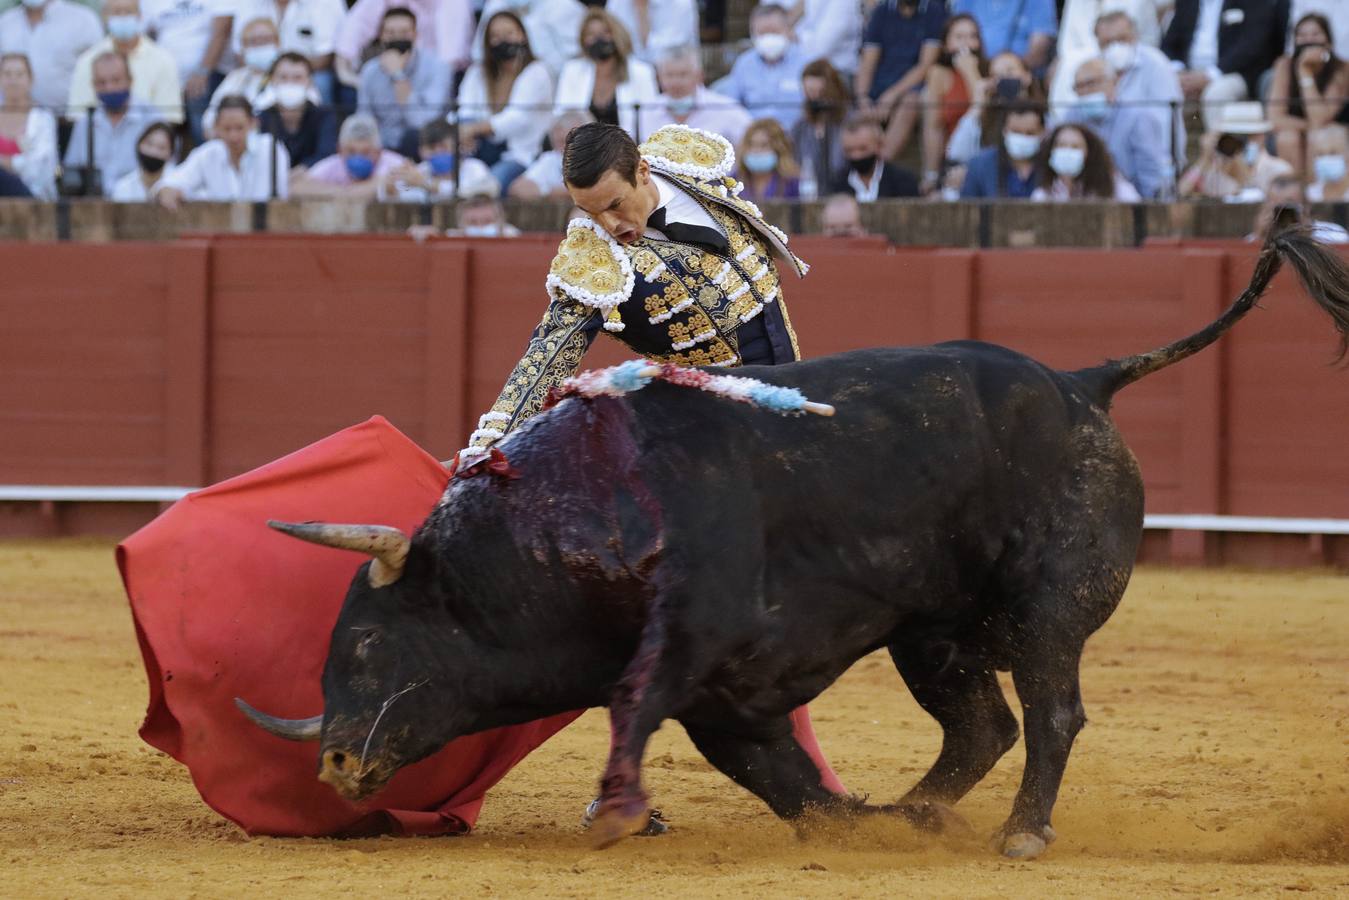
[290, 729]
[387, 545]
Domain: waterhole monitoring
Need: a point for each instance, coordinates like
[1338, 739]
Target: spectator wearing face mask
[1221, 48]
[1140, 148]
[403, 87]
[685, 101]
[608, 82]
[867, 177]
[1074, 164]
[307, 131]
[1286, 190]
[238, 164]
[818, 134]
[1233, 164]
[1077, 26]
[1026, 27]
[1008, 78]
[1309, 91]
[766, 79]
[358, 167]
[434, 177]
[53, 34]
[544, 176]
[501, 98]
[1008, 169]
[196, 33]
[949, 87]
[116, 126]
[444, 30]
[482, 216]
[152, 68]
[27, 133]
[1329, 148]
[1144, 79]
[154, 160]
[1336, 13]
[841, 217]
[767, 163]
[260, 45]
[657, 25]
[307, 27]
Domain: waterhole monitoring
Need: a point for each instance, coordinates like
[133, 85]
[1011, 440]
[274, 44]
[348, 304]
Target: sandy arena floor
[1216, 762]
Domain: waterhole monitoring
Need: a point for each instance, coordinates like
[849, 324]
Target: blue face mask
[680, 106]
[1093, 107]
[1329, 168]
[114, 101]
[761, 161]
[359, 167]
[441, 163]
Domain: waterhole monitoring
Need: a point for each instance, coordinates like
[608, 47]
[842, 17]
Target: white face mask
[1021, 146]
[1067, 161]
[771, 46]
[34, 4]
[1120, 55]
[123, 28]
[1251, 153]
[290, 96]
[260, 58]
[492, 230]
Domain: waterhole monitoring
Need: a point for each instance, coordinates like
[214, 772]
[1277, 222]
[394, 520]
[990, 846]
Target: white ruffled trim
[604, 302]
[738, 292]
[682, 345]
[758, 308]
[720, 277]
[663, 317]
[493, 417]
[771, 295]
[614, 327]
[745, 254]
[492, 434]
[682, 305]
[654, 273]
[763, 270]
[706, 173]
[802, 264]
[777, 232]
[705, 336]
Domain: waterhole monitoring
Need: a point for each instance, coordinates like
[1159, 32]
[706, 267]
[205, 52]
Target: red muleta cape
[225, 607]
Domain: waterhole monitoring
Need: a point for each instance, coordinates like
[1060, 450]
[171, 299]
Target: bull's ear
[387, 545]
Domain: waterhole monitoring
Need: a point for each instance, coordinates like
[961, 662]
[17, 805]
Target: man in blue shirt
[1008, 169]
[1136, 139]
[403, 87]
[766, 79]
[1025, 27]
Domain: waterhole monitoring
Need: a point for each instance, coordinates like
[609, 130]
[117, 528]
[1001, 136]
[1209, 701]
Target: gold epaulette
[681, 150]
[591, 268]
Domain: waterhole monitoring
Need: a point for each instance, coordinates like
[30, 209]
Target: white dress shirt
[183, 28]
[679, 207]
[206, 174]
[576, 89]
[866, 193]
[308, 27]
[712, 112]
[673, 23]
[832, 29]
[1204, 46]
[36, 165]
[523, 121]
[130, 189]
[52, 46]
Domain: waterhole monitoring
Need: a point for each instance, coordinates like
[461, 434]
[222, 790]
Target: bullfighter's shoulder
[590, 268]
[690, 152]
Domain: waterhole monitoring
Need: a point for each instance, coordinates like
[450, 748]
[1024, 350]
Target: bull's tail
[1323, 277]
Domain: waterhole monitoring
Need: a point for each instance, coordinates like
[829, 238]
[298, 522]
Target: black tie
[684, 233]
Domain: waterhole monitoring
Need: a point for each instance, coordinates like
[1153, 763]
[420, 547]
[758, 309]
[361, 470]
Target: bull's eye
[370, 639]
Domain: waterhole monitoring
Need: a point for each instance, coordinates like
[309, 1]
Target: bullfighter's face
[621, 208]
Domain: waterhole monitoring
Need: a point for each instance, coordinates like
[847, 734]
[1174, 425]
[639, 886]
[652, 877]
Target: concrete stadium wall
[184, 363]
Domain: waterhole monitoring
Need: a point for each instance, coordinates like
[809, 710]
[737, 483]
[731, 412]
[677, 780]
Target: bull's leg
[1051, 703]
[977, 726]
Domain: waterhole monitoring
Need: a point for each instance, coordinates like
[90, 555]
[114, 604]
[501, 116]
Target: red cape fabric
[225, 607]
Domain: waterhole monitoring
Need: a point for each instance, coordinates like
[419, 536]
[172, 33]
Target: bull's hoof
[1023, 844]
[613, 823]
[934, 817]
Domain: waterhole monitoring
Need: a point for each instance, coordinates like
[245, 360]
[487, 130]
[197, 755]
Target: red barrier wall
[189, 362]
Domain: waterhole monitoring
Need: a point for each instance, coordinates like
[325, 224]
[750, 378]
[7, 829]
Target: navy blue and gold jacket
[671, 302]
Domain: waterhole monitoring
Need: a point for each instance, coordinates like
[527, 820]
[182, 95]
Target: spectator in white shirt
[154, 160]
[307, 27]
[259, 48]
[608, 81]
[196, 33]
[239, 164]
[544, 177]
[27, 133]
[552, 26]
[110, 131]
[503, 98]
[829, 29]
[52, 35]
[657, 25]
[152, 67]
[685, 101]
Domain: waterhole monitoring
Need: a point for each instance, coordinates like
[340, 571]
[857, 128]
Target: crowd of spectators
[412, 100]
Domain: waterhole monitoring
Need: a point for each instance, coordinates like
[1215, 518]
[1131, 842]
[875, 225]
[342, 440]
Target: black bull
[673, 555]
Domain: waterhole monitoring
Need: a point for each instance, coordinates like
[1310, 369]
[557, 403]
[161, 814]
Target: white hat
[1245, 117]
[481, 184]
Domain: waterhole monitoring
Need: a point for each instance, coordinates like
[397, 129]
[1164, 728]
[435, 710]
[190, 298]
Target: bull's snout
[341, 770]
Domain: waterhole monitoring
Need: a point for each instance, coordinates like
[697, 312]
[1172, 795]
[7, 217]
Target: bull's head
[378, 680]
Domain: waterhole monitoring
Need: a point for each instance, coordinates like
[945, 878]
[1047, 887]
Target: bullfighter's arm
[553, 355]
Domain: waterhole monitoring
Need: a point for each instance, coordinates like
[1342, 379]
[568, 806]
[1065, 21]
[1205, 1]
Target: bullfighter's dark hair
[397, 11]
[593, 149]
